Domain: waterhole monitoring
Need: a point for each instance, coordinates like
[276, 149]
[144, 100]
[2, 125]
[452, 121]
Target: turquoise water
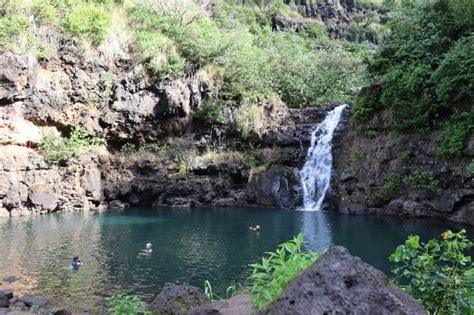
[188, 245]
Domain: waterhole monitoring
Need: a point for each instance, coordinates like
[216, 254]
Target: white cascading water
[316, 172]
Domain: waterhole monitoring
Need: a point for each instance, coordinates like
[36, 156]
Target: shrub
[160, 54]
[11, 28]
[80, 140]
[470, 167]
[462, 12]
[392, 185]
[228, 16]
[57, 150]
[367, 103]
[210, 111]
[371, 133]
[360, 156]
[304, 76]
[89, 21]
[454, 133]
[157, 148]
[54, 149]
[250, 120]
[256, 63]
[122, 304]
[248, 73]
[128, 148]
[45, 12]
[420, 179]
[183, 170]
[425, 65]
[440, 273]
[277, 269]
[201, 42]
[454, 78]
[220, 156]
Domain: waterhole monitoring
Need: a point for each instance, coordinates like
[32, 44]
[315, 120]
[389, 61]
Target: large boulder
[178, 299]
[339, 283]
[276, 186]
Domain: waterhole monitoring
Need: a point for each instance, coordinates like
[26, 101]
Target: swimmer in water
[148, 248]
[255, 229]
[76, 263]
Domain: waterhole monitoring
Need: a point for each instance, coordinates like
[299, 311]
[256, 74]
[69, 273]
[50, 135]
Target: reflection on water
[188, 245]
[317, 230]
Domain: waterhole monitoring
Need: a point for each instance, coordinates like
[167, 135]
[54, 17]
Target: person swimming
[255, 229]
[76, 263]
[148, 248]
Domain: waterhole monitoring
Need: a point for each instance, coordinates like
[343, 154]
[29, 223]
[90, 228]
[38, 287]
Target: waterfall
[316, 172]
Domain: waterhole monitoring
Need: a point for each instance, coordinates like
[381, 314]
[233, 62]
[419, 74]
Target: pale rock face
[15, 76]
[14, 129]
[41, 195]
[4, 212]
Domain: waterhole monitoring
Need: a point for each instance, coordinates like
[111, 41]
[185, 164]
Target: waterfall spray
[316, 172]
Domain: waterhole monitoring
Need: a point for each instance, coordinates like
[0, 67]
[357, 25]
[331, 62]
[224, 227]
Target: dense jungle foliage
[423, 72]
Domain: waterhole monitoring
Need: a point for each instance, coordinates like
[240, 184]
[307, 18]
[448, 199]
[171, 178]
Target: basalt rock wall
[389, 173]
[111, 96]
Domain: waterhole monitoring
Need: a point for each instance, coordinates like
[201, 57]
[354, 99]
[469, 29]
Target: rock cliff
[384, 172]
[114, 98]
[172, 159]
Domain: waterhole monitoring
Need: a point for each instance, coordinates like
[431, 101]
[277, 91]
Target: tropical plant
[440, 273]
[470, 167]
[56, 149]
[89, 21]
[425, 65]
[123, 304]
[232, 290]
[277, 269]
[420, 179]
[210, 111]
[454, 134]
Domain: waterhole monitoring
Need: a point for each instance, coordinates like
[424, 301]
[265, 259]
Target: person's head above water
[148, 246]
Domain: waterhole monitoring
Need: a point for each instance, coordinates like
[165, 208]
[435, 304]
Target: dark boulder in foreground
[339, 283]
[178, 299]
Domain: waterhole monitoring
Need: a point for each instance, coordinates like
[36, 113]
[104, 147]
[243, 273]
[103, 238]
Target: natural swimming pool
[189, 245]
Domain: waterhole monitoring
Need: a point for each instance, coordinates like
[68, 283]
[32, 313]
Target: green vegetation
[360, 155]
[231, 291]
[470, 167]
[426, 68]
[57, 150]
[89, 21]
[420, 179]
[122, 304]
[370, 133]
[210, 111]
[253, 62]
[19, 20]
[250, 120]
[392, 185]
[454, 134]
[277, 269]
[440, 273]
